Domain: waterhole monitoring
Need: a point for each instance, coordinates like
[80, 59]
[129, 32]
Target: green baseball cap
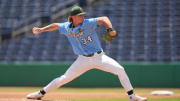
[76, 10]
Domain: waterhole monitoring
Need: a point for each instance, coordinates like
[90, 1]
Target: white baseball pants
[83, 64]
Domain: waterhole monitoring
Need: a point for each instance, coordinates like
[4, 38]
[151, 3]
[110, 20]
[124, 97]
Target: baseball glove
[108, 38]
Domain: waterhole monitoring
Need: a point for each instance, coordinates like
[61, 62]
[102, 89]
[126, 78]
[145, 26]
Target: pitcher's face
[78, 18]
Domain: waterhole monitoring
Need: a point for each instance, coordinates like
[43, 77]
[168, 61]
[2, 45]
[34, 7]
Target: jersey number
[86, 40]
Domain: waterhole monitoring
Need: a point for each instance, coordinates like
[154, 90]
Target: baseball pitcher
[83, 37]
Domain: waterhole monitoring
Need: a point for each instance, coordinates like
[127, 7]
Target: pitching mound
[23, 99]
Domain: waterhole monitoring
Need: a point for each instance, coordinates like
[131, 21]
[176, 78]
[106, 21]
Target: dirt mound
[16, 99]
[12, 96]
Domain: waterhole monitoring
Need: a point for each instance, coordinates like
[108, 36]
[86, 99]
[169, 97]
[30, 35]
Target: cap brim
[82, 13]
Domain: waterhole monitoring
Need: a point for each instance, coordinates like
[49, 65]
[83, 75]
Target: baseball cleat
[134, 97]
[36, 95]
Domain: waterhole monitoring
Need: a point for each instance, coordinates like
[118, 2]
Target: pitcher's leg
[110, 65]
[76, 69]
[58, 82]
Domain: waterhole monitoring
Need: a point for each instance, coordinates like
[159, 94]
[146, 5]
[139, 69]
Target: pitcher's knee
[61, 80]
[119, 71]
[58, 79]
[63, 77]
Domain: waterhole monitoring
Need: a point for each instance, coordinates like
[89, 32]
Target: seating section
[148, 30]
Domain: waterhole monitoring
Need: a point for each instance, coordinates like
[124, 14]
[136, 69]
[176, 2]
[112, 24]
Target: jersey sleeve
[92, 23]
[62, 28]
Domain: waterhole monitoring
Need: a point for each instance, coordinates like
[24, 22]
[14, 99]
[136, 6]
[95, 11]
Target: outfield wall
[140, 74]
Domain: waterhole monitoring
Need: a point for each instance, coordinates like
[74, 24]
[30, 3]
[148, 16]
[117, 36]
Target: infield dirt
[12, 96]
